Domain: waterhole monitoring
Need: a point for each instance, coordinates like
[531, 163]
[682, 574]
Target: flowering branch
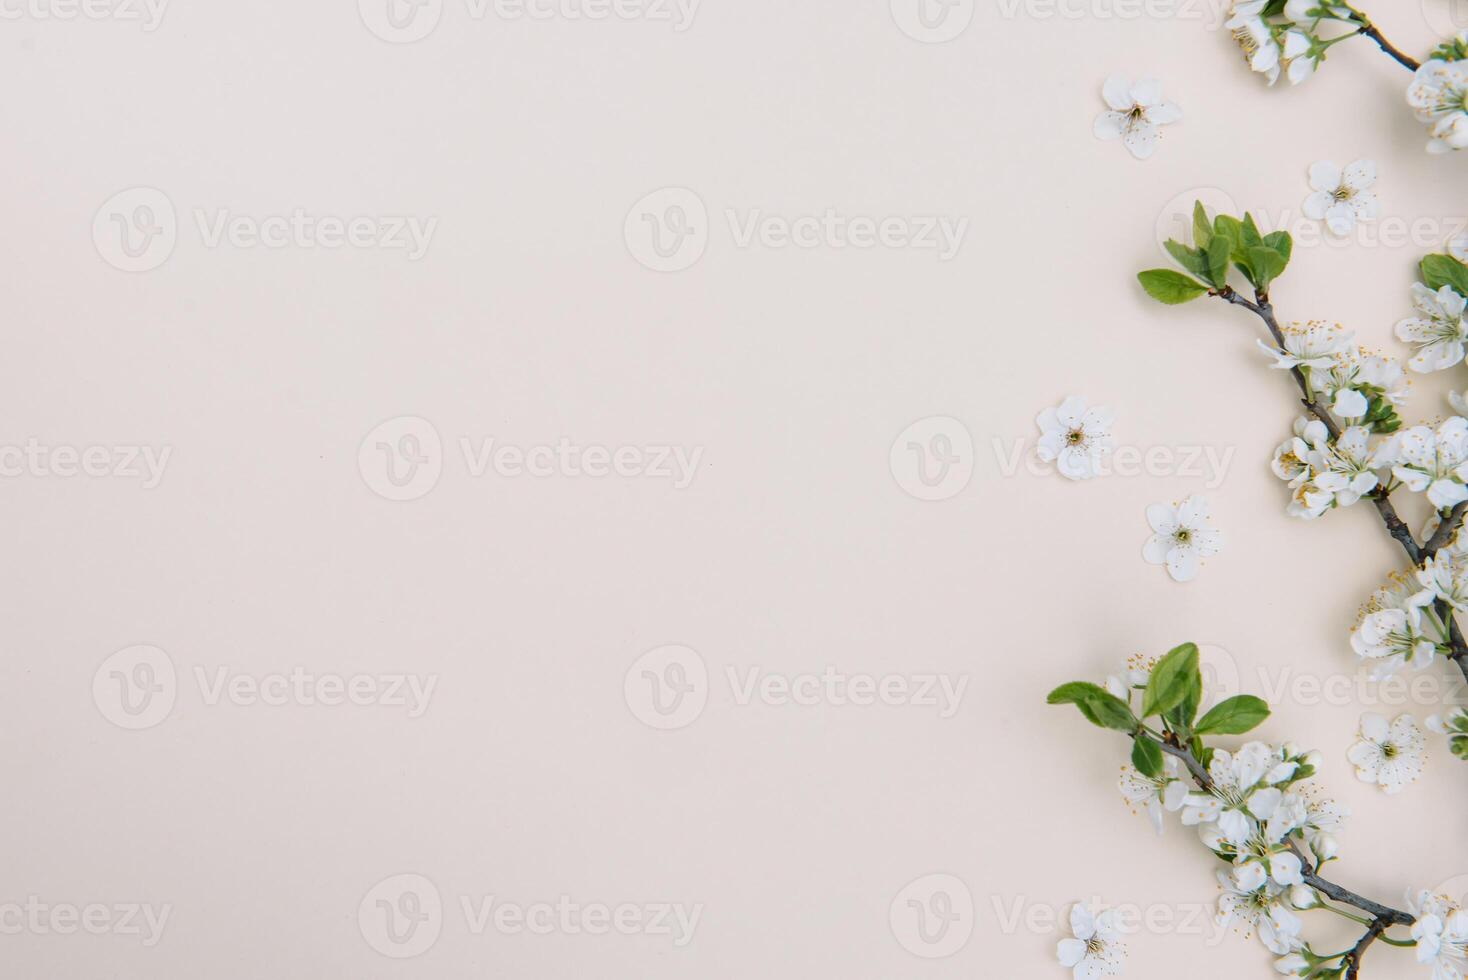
[1250, 812]
[1351, 397]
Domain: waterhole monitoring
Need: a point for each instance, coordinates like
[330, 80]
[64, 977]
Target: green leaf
[1191, 259]
[1099, 705]
[1444, 270]
[1235, 716]
[1172, 288]
[1282, 244]
[1250, 237]
[1229, 227]
[1266, 264]
[1202, 227]
[1170, 680]
[1181, 717]
[1147, 756]
[1219, 251]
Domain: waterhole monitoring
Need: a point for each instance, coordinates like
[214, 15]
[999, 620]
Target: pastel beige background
[264, 549]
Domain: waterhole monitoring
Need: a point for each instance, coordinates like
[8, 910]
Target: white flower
[1439, 332]
[1097, 949]
[1299, 56]
[1181, 537]
[1074, 437]
[1292, 459]
[1265, 910]
[1391, 756]
[1342, 198]
[1458, 247]
[1136, 113]
[1135, 674]
[1293, 965]
[1434, 461]
[1261, 50]
[1441, 931]
[1241, 793]
[1167, 792]
[1326, 474]
[1311, 345]
[1350, 371]
[1437, 96]
[1390, 633]
[1444, 576]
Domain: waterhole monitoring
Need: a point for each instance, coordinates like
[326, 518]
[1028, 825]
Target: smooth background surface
[264, 550]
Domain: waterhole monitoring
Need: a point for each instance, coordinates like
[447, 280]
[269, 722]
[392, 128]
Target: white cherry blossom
[1096, 949]
[1389, 755]
[1136, 113]
[1438, 332]
[1181, 537]
[1308, 345]
[1342, 197]
[1438, 96]
[1434, 461]
[1074, 437]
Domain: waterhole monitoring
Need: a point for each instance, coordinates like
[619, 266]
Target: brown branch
[1368, 29]
[1353, 958]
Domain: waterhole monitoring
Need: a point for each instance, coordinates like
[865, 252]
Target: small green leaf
[1147, 756]
[1191, 259]
[1229, 227]
[1172, 288]
[1202, 227]
[1170, 680]
[1266, 264]
[1100, 706]
[1250, 237]
[1219, 251]
[1282, 244]
[1235, 716]
[1444, 270]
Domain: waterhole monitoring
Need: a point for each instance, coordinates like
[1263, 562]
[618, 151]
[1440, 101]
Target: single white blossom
[1439, 331]
[1308, 345]
[1096, 949]
[1076, 438]
[1390, 633]
[1389, 755]
[1181, 537]
[1135, 115]
[1261, 50]
[1444, 576]
[1165, 793]
[1242, 792]
[1440, 928]
[1352, 370]
[1265, 911]
[1438, 96]
[1292, 965]
[1435, 461]
[1342, 197]
[1325, 474]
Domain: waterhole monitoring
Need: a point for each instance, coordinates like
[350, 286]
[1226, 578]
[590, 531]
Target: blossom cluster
[1285, 38]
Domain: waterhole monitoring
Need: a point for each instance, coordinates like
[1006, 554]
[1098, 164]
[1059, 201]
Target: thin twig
[1368, 29]
[1377, 927]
